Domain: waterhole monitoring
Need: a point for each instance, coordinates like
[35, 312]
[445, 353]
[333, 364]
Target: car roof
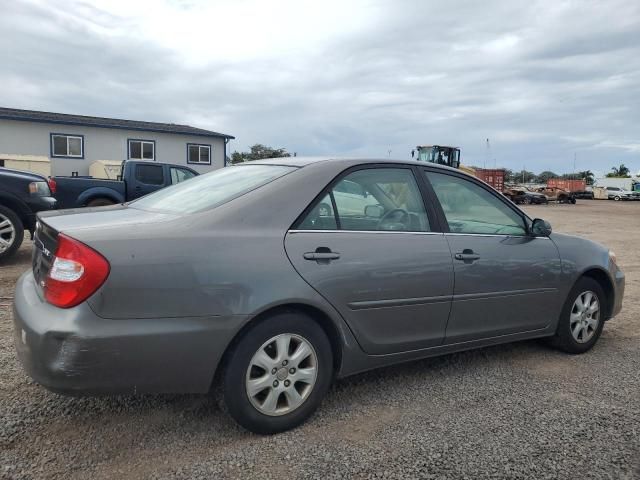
[344, 161]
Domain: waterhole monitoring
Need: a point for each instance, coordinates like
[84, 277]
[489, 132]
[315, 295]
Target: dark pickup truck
[22, 195]
[137, 178]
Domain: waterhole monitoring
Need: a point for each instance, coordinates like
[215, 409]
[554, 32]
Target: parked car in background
[521, 195]
[555, 194]
[22, 195]
[137, 178]
[584, 194]
[270, 297]
[617, 194]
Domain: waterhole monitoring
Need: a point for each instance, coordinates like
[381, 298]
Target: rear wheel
[278, 373]
[11, 232]
[100, 202]
[617, 198]
[582, 317]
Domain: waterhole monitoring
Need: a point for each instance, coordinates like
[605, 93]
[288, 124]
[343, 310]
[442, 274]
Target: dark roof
[101, 122]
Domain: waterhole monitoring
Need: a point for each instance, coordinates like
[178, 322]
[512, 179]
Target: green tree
[621, 171]
[545, 176]
[257, 152]
[524, 176]
[587, 175]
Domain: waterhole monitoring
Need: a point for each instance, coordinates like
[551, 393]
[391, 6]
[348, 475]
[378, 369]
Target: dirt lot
[515, 411]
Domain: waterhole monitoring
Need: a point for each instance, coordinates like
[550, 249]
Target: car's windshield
[208, 191]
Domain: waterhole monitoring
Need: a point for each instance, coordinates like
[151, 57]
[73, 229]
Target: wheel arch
[99, 192]
[603, 279]
[313, 312]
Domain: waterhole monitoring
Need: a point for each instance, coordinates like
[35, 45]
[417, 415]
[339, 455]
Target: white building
[61, 144]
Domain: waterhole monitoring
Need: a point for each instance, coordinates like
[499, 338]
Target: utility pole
[487, 156]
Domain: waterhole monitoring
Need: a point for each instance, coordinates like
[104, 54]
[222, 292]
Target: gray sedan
[265, 281]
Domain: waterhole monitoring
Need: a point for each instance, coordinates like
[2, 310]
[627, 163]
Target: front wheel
[582, 317]
[11, 232]
[278, 373]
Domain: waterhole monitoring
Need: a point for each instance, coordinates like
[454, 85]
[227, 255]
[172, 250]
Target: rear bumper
[75, 351]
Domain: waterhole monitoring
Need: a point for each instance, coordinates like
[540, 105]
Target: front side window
[67, 145]
[149, 174]
[142, 150]
[199, 154]
[469, 208]
[205, 192]
[180, 174]
[375, 199]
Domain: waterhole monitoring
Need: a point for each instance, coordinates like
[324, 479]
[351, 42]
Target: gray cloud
[542, 80]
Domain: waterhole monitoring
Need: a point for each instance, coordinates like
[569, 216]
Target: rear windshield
[212, 189]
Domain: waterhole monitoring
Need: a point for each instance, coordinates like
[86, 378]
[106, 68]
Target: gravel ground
[514, 411]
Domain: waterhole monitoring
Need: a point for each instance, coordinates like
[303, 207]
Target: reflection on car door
[506, 281]
[391, 278]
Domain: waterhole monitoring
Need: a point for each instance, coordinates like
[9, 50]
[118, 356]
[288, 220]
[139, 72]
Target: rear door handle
[322, 255]
[467, 256]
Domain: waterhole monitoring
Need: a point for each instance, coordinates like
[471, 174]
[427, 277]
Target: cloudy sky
[544, 81]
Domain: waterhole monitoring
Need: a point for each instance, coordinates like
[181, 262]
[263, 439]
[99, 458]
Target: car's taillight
[77, 271]
[53, 186]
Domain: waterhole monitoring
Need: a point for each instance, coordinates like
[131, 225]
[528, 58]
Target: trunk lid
[85, 225]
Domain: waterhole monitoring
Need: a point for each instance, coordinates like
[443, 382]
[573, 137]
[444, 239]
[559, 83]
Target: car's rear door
[506, 281]
[146, 178]
[375, 253]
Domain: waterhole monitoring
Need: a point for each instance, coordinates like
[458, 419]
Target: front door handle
[467, 256]
[321, 255]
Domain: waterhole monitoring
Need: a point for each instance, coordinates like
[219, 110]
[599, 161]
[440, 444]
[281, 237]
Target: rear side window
[204, 192]
[180, 174]
[469, 208]
[149, 174]
[374, 199]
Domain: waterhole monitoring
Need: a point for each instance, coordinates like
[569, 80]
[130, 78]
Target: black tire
[235, 396]
[100, 202]
[6, 214]
[564, 339]
[616, 198]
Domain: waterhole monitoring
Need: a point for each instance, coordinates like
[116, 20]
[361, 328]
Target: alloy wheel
[585, 317]
[7, 233]
[281, 374]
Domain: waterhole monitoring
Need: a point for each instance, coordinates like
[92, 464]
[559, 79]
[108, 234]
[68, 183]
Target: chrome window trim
[493, 235]
[365, 231]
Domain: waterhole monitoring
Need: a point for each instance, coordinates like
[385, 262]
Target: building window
[142, 149]
[199, 154]
[63, 145]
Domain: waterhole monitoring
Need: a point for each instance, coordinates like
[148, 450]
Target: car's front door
[372, 253]
[506, 281]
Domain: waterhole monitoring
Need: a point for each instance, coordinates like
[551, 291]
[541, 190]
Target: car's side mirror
[540, 228]
[375, 211]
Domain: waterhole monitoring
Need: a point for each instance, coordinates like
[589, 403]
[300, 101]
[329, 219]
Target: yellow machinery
[442, 155]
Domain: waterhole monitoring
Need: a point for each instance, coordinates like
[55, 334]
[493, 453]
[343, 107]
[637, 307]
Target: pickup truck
[22, 195]
[137, 178]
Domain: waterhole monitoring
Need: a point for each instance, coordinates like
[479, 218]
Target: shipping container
[568, 185]
[492, 176]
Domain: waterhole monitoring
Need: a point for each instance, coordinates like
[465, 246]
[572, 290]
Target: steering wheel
[396, 219]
